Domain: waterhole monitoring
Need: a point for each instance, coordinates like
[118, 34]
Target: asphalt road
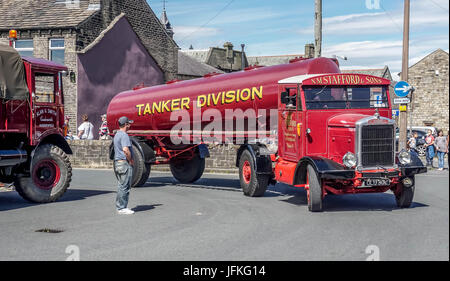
[213, 220]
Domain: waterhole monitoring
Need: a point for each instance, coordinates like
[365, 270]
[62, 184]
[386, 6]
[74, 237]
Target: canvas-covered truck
[33, 151]
[304, 123]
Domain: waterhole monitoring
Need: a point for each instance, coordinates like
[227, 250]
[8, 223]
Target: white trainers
[125, 211]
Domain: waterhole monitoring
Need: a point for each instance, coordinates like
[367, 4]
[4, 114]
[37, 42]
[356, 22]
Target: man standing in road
[123, 165]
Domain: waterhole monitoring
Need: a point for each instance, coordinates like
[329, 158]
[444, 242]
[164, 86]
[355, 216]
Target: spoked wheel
[313, 190]
[49, 178]
[253, 184]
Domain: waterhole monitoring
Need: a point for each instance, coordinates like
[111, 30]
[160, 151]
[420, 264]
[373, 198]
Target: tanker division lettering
[225, 97]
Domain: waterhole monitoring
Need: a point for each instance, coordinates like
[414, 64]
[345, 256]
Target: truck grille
[377, 145]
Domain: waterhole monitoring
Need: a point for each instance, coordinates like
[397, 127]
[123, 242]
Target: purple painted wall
[117, 63]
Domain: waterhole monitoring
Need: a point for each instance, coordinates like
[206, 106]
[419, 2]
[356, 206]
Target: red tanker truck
[303, 123]
[33, 151]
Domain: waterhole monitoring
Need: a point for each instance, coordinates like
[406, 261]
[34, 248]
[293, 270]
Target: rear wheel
[253, 184]
[314, 190]
[188, 171]
[50, 175]
[139, 168]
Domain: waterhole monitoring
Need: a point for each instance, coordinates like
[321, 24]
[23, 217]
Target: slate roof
[271, 60]
[42, 14]
[379, 72]
[190, 66]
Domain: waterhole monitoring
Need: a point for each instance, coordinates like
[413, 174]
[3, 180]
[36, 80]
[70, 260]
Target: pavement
[212, 220]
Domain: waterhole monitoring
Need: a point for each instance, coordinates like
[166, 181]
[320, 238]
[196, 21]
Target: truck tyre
[50, 175]
[253, 184]
[405, 197]
[145, 175]
[139, 168]
[188, 171]
[314, 190]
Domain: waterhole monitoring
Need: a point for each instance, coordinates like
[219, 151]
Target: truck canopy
[13, 85]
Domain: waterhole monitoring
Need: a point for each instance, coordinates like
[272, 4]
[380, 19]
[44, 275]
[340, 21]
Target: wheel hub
[247, 172]
[46, 174]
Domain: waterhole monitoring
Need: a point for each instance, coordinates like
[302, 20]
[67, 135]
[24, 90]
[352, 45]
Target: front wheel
[253, 184]
[314, 190]
[405, 196]
[50, 175]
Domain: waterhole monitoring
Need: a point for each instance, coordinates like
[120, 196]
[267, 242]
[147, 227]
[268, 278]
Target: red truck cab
[336, 136]
[33, 150]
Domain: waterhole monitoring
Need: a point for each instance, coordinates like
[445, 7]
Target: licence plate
[377, 182]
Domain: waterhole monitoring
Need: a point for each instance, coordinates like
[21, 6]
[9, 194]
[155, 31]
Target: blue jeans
[441, 158]
[124, 174]
[430, 155]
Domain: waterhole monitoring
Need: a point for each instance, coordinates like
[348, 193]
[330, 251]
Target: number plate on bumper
[377, 182]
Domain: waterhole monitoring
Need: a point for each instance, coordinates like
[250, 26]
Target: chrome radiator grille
[377, 145]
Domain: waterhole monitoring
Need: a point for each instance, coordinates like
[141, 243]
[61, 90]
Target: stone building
[108, 45]
[190, 68]
[430, 77]
[225, 59]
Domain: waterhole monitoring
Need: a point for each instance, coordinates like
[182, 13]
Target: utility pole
[318, 29]
[403, 118]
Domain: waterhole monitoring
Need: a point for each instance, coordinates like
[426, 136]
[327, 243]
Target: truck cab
[336, 136]
[33, 151]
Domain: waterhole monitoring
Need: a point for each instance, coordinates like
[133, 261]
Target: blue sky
[368, 33]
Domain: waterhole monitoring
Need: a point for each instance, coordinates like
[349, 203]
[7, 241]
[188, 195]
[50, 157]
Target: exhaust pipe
[12, 157]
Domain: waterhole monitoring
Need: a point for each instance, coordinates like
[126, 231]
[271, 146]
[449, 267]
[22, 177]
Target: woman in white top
[86, 129]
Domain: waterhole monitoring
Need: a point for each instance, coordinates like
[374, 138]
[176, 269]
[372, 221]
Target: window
[57, 50]
[45, 87]
[24, 47]
[345, 97]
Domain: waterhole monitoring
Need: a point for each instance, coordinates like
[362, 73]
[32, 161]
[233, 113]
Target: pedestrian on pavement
[123, 165]
[412, 143]
[86, 129]
[104, 131]
[441, 147]
[429, 145]
[448, 156]
[66, 127]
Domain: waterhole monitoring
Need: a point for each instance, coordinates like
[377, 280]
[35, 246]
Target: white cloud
[377, 54]
[193, 32]
[424, 14]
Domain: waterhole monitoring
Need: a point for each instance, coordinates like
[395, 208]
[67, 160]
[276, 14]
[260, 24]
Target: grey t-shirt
[441, 144]
[121, 139]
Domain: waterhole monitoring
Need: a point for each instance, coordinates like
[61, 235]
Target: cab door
[45, 100]
[289, 122]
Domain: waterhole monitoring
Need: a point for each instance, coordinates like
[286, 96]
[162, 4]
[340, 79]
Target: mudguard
[325, 168]
[415, 167]
[262, 161]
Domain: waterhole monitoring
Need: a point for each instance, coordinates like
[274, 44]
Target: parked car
[420, 141]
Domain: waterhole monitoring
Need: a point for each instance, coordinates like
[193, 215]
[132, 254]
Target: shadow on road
[352, 202]
[143, 208]
[12, 200]
[296, 196]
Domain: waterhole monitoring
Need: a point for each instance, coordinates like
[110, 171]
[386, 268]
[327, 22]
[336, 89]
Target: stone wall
[95, 154]
[430, 77]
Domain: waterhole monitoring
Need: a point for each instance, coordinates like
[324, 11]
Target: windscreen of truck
[343, 97]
